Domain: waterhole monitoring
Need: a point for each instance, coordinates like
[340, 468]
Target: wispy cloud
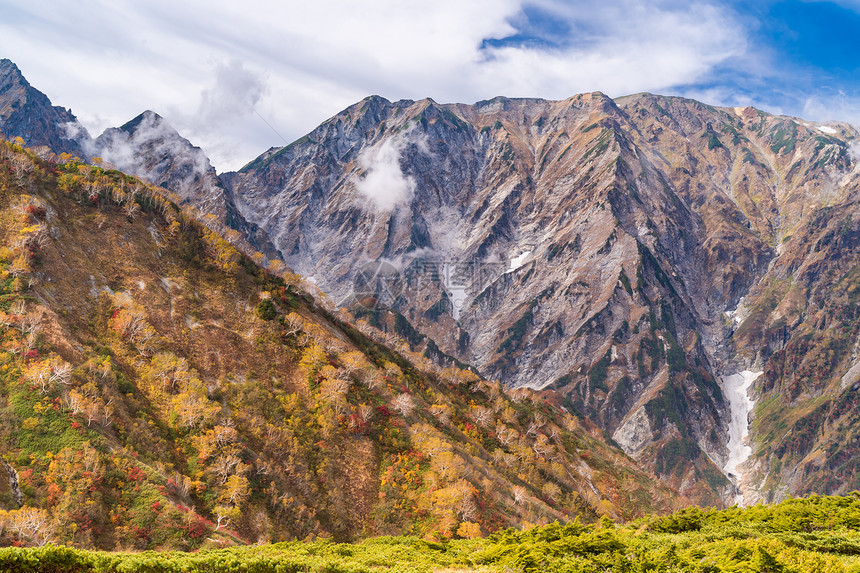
[617, 47]
[213, 70]
[225, 110]
[834, 106]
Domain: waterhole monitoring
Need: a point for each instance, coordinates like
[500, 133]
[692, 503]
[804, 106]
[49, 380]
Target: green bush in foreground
[812, 535]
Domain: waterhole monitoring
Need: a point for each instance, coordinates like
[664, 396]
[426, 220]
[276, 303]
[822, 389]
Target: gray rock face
[591, 245]
[27, 113]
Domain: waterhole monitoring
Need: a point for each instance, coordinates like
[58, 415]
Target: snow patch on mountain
[738, 314]
[517, 262]
[456, 287]
[736, 388]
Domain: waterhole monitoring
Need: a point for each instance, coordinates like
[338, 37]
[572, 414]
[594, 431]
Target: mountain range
[630, 253]
[639, 258]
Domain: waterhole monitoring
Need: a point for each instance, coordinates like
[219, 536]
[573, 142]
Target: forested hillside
[161, 390]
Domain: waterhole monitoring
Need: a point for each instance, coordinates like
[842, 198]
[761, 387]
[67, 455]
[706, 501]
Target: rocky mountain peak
[151, 118]
[28, 113]
[149, 136]
[10, 72]
[149, 147]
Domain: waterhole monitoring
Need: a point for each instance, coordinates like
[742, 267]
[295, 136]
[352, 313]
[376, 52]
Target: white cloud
[623, 47]
[383, 182]
[225, 110]
[211, 68]
[830, 107]
[236, 92]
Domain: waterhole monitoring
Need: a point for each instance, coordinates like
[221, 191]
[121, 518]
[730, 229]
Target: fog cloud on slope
[384, 182]
[142, 151]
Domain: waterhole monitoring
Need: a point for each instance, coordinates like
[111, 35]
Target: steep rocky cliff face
[590, 245]
[27, 113]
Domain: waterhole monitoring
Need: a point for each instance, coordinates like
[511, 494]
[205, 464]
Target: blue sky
[806, 57]
[237, 78]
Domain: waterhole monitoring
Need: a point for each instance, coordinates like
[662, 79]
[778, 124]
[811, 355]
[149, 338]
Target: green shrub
[266, 310]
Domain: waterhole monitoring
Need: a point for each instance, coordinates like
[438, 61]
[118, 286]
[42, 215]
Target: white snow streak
[736, 388]
[455, 287]
[517, 262]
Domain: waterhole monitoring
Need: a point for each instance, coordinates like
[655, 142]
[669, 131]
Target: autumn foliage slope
[162, 390]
